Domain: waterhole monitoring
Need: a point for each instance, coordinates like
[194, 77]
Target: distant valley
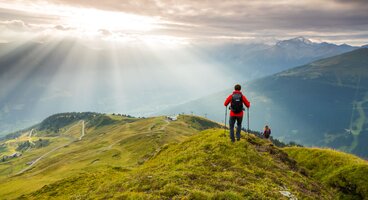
[105, 79]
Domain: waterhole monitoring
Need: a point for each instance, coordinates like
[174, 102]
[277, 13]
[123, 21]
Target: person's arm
[246, 102]
[227, 101]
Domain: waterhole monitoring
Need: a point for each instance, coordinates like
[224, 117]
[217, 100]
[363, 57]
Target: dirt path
[54, 149]
[30, 136]
[30, 133]
[82, 132]
[164, 126]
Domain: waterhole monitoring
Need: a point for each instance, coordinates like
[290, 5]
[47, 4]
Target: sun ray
[26, 66]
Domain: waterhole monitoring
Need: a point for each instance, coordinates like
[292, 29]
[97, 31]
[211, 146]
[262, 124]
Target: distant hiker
[267, 132]
[237, 99]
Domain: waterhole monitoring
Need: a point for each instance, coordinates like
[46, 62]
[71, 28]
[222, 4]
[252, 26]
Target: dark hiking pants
[238, 128]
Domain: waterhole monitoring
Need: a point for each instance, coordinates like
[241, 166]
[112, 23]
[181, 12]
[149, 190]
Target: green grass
[126, 142]
[344, 172]
[205, 166]
[129, 158]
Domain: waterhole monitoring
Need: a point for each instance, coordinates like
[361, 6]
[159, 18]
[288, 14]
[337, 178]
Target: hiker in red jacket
[237, 99]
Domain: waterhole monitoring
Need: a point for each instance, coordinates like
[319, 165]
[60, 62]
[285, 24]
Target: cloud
[63, 28]
[217, 18]
[200, 20]
[16, 25]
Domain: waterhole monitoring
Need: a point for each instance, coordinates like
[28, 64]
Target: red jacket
[245, 101]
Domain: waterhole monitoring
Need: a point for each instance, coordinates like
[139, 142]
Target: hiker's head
[237, 87]
[266, 127]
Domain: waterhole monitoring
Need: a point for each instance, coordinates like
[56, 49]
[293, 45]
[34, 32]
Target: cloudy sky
[183, 21]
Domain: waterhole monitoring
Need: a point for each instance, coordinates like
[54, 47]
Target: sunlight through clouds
[88, 23]
[93, 20]
[104, 56]
[189, 20]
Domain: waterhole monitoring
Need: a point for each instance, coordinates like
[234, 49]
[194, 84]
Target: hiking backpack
[236, 103]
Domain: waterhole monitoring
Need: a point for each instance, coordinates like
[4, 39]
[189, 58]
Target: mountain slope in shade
[323, 103]
[250, 61]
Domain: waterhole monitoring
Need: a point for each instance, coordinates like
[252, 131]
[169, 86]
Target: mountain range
[103, 156]
[323, 103]
[252, 61]
[42, 78]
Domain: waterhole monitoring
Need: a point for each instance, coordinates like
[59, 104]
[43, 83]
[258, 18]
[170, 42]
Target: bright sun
[117, 26]
[88, 23]
[92, 20]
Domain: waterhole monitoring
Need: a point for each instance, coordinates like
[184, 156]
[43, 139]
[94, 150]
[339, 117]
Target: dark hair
[237, 87]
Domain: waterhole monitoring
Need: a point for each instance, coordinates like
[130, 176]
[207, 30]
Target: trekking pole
[225, 121]
[248, 118]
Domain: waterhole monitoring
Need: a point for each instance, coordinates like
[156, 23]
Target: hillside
[100, 156]
[205, 166]
[323, 103]
[335, 169]
[108, 141]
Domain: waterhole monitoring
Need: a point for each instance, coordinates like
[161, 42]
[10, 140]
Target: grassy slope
[13, 185]
[204, 166]
[343, 171]
[109, 141]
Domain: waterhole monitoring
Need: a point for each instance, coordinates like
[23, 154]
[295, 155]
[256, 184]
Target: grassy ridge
[342, 171]
[205, 166]
[109, 141]
[155, 158]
